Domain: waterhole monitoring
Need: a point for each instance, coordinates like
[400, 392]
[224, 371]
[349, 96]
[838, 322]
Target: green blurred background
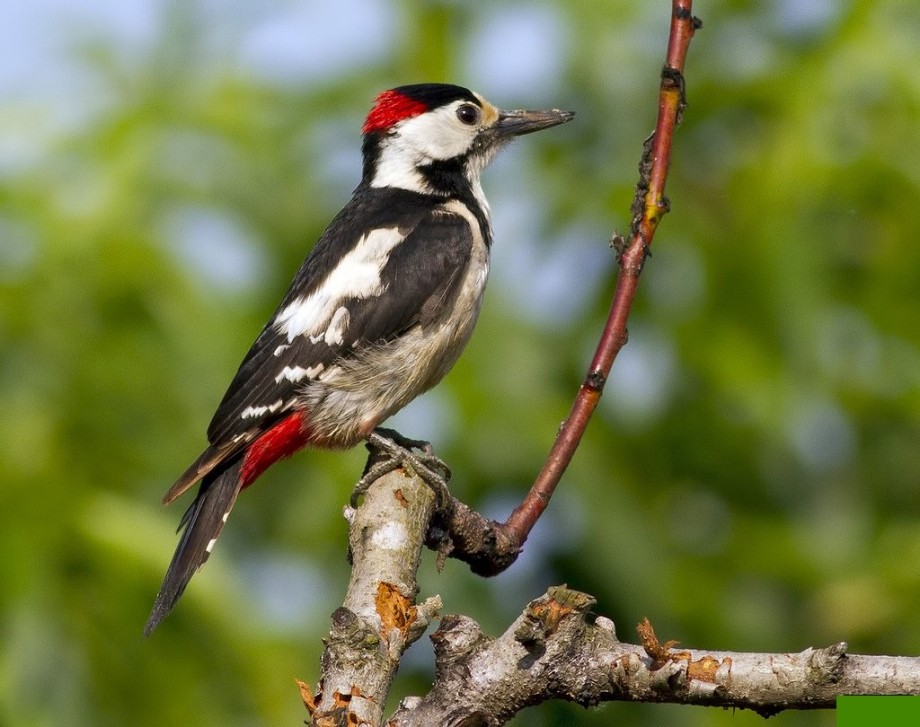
[749, 481]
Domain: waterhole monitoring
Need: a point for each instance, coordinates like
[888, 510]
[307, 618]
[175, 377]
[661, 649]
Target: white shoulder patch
[321, 315]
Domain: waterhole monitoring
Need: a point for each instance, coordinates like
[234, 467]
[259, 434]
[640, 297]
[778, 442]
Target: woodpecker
[377, 314]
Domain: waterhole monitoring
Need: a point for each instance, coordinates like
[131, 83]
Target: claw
[391, 436]
[398, 453]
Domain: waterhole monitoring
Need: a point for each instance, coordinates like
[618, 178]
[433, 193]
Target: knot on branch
[544, 615]
[828, 665]
[353, 631]
[485, 545]
[457, 637]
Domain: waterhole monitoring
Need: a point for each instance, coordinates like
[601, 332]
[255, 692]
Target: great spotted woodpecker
[378, 313]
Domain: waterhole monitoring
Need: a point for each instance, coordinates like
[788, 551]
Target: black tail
[202, 523]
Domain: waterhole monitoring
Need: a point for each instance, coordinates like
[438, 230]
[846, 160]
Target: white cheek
[438, 135]
[419, 141]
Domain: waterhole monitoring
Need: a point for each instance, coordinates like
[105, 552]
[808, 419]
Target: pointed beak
[516, 123]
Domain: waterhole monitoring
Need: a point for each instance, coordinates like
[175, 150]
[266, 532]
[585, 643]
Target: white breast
[365, 390]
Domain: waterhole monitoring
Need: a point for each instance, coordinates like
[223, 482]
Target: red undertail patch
[282, 440]
[390, 108]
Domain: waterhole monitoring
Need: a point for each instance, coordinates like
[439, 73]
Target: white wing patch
[336, 331]
[321, 315]
[291, 373]
[256, 411]
[296, 373]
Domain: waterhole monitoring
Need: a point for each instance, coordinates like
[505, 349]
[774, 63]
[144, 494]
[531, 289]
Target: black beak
[515, 123]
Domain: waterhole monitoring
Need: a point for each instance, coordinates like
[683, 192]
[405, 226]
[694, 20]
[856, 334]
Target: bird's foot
[394, 451]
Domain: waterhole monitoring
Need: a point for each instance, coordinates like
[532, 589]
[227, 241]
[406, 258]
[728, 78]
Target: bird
[377, 314]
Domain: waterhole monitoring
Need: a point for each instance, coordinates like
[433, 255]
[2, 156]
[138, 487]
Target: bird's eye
[468, 114]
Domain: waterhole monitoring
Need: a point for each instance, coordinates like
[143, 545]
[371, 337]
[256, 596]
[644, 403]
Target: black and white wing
[356, 288]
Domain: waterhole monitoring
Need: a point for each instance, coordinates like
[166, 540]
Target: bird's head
[429, 137]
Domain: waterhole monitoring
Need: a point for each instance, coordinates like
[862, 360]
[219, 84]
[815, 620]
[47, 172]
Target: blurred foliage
[749, 482]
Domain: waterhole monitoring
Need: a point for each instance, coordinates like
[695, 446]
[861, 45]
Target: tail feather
[210, 459]
[202, 523]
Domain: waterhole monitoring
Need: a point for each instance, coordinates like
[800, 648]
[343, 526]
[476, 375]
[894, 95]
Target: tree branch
[557, 649]
[495, 546]
[379, 618]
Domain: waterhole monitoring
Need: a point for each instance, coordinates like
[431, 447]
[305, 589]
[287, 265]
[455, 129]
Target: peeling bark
[379, 617]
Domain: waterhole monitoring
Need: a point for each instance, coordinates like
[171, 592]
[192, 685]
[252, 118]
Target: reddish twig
[501, 542]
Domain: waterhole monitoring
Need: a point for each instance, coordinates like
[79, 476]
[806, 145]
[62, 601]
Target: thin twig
[498, 544]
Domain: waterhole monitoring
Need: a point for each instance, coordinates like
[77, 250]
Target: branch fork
[557, 648]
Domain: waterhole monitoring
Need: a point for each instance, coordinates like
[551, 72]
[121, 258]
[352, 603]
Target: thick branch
[379, 617]
[558, 649]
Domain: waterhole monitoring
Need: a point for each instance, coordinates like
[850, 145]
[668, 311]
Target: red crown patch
[390, 108]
